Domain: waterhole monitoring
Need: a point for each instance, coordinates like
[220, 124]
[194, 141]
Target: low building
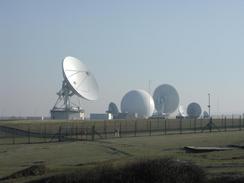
[101, 116]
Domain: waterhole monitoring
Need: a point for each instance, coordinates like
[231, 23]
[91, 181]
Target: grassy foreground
[74, 156]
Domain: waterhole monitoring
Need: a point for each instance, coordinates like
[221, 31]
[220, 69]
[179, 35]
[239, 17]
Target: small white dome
[138, 102]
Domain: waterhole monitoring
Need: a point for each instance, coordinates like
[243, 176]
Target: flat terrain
[70, 156]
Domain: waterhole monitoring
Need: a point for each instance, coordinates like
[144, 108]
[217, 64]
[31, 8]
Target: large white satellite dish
[194, 110]
[79, 81]
[166, 99]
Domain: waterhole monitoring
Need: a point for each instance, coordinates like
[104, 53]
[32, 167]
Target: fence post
[85, 133]
[150, 128]
[28, 134]
[165, 126]
[210, 124]
[242, 119]
[93, 132]
[195, 127]
[115, 129]
[240, 123]
[190, 125]
[105, 128]
[135, 128]
[72, 131]
[120, 130]
[59, 134]
[45, 133]
[81, 134]
[66, 130]
[232, 121]
[225, 124]
[180, 125]
[222, 122]
[201, 119]
[76, 132]
[14, 136]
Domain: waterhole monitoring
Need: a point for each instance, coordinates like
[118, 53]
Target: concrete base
[67, 114]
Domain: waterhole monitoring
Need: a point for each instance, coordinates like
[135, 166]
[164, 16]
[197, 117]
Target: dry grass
[72, 156]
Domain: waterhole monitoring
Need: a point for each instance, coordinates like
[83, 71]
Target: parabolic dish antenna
[166, 99]
[113, 109]
[79, 81]
[181, 111]
[205, 114]
[194, 110]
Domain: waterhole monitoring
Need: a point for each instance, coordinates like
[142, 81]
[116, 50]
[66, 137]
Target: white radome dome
[138, 102]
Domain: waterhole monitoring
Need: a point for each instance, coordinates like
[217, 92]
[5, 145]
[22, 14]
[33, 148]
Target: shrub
[143, 171]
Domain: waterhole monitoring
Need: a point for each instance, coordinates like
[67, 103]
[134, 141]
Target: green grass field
[72, 156]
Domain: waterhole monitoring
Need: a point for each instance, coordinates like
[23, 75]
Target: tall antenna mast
[210, 124]
[209, 106]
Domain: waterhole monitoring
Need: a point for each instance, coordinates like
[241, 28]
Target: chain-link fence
[44, 132]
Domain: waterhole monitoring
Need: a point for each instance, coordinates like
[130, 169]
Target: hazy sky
[197, 46]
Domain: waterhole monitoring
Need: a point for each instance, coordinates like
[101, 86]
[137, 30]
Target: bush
[33, 170]
[162, 170]
[144, 171]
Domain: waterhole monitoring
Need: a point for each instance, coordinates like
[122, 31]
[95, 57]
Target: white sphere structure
[138, 102]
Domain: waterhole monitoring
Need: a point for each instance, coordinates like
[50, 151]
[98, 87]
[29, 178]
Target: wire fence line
[20, 133]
